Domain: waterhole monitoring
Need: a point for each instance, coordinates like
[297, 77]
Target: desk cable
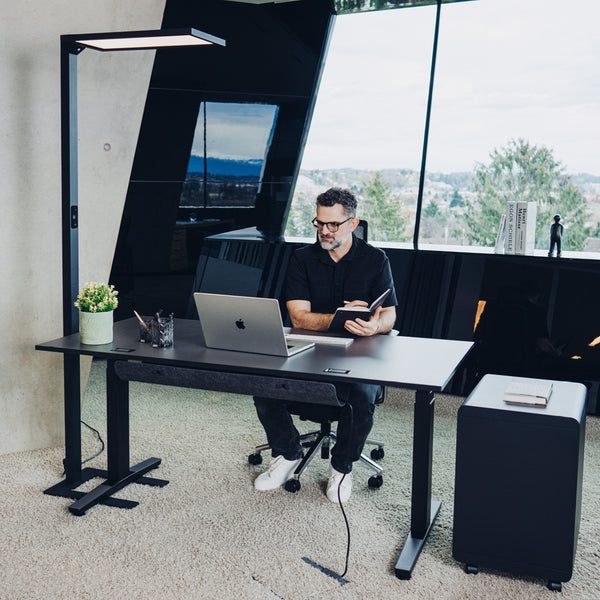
[325, 570]
[347, 526]
[101, 442]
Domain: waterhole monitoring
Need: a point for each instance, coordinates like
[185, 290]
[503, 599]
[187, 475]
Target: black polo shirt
[363, 274]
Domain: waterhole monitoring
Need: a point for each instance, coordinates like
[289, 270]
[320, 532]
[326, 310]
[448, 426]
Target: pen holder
[162, 332]
[146, 331]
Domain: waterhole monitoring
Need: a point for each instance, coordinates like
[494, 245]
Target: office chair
[321, 439]
[362, 230]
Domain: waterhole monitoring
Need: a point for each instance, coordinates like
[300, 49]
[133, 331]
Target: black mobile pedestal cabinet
[518, 481]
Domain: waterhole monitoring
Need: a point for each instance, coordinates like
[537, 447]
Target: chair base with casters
[315, 440]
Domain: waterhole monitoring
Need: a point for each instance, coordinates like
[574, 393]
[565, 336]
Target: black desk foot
[103, 492]
[413, 546]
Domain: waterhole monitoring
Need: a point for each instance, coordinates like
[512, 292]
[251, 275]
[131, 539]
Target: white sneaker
[335, 478]
[279, 472]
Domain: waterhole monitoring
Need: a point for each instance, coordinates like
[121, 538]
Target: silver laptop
[244, 324]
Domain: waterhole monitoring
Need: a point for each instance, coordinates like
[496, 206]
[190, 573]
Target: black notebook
[349, 313]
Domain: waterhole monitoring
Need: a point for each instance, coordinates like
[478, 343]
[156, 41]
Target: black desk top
[397, 361]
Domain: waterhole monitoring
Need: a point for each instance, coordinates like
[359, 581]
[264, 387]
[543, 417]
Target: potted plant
[96, 304]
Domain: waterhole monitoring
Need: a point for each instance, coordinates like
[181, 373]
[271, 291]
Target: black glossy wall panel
[274, 55]
[438, 296]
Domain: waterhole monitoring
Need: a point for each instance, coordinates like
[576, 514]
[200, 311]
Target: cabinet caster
[377, 453]
[375, 481]
[255, 459]
[292, 485]
[471, 569]
[555, 586]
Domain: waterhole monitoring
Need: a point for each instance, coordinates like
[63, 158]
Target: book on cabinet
[510, 227]
[500, 236]
[526, 215]
[519, 226]
[528, 393]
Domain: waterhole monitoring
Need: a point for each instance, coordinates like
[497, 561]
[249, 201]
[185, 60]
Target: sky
[506, 69]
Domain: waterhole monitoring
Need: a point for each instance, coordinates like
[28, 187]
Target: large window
[515, 115]
[367, 127]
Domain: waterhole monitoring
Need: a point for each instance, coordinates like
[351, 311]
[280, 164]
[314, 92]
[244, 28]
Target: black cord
[347, 526]
[97, 453]
[101, 441]
[329, 572]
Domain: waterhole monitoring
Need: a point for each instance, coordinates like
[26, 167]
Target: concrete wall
[112, 91]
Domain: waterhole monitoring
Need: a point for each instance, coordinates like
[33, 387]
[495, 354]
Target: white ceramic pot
[96, 328]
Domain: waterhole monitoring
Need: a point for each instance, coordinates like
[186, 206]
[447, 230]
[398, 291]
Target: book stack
[519, 225]
[528, 393]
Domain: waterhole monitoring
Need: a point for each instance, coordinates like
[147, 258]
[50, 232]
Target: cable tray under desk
[234, 383]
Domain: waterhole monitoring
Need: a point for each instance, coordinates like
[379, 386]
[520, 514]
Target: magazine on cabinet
[528, 393]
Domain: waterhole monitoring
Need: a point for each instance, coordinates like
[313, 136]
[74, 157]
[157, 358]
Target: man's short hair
[341, 196]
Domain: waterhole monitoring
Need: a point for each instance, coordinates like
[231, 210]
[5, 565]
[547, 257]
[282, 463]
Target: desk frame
[119, 473]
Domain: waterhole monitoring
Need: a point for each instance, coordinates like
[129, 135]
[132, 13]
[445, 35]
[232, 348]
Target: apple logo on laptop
[240, 324]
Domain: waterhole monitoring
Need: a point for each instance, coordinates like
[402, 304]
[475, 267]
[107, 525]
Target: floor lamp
[70, 47]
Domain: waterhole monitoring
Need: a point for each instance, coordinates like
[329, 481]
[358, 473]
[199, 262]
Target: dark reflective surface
[343, 7]
[229, 150]
[219, 142]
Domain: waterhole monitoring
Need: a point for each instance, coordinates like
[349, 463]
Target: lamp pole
[70, 253]
[70, 243]
[70, 47]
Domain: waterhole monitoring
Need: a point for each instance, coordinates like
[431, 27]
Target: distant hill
[397, 177]
[459, 180]
[582, 178]
[222, 166]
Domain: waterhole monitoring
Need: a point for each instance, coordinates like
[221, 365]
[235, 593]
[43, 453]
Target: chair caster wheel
[292, 485]
[555, 586]
[375, 481]
[377, 453]
[471, 569]
[255, 459]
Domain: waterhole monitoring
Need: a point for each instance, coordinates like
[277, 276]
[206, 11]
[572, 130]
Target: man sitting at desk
[340, 269]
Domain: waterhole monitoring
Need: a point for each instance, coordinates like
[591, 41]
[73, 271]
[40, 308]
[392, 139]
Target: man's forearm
[310, 320]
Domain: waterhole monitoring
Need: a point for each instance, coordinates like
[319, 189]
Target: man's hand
[382, 321]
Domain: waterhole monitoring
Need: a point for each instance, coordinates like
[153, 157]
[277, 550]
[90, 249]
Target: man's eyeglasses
[332, 226]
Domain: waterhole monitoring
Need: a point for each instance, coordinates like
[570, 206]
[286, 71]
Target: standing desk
[423, 364]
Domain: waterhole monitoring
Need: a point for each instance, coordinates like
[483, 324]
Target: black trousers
[354, 424]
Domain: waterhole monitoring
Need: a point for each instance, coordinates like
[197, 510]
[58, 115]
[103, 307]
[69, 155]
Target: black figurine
[556, 232]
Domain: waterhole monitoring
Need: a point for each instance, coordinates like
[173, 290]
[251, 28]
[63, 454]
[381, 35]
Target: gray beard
[331, 245]
[335, 244]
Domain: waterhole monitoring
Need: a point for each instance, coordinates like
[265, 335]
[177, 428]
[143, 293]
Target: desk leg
[72, 404]
[119, 474]
[117, 424]
[424, 510]
[74, 476]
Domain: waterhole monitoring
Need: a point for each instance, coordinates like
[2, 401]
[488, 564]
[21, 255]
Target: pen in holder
[162, 331]
[144, 327]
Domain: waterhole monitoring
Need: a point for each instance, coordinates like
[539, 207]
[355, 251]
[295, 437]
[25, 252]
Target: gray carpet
[209, 534]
